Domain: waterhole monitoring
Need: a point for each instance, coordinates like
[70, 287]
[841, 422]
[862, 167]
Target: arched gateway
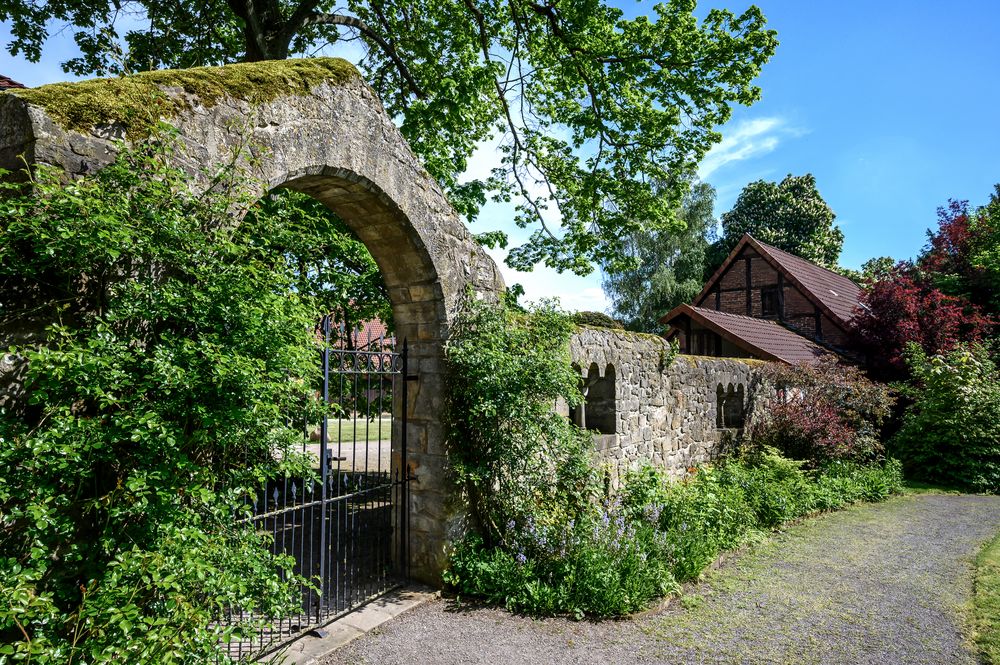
[313, 126]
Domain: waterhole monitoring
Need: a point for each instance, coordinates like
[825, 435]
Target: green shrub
[718, 508]
[159, 401]
[597, 319]
[951, 432]
[544, 540]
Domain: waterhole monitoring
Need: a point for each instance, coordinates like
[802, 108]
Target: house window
[769, 302]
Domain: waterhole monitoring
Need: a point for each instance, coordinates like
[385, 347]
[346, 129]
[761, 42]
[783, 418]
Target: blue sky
[894, 107]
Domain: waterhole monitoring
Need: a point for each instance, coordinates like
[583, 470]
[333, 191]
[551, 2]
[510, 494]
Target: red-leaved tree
[906, 307]
[961, 257]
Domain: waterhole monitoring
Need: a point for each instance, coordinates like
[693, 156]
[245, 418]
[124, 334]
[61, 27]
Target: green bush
[542, 541]
[597, 319]
[159, 401]
[951, 432]
[718, 508]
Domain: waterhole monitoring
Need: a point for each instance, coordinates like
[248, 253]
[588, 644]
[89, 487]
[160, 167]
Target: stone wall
[673, 412]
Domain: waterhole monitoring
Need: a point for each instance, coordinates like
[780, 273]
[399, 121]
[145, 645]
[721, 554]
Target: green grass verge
[986, 602]
[919, 487]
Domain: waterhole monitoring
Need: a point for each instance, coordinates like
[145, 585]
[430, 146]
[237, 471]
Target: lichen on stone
[137, 102]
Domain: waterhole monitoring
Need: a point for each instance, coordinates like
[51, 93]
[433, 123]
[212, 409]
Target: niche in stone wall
[598, 412]
[729, 407]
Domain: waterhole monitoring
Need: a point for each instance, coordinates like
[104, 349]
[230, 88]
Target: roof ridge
[802, 258]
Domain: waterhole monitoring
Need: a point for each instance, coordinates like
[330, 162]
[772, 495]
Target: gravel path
[875, 584]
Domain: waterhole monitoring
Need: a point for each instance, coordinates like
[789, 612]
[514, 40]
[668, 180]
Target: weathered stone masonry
[674, 413]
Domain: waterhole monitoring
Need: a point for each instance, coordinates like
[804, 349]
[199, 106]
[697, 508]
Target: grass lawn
[986, 601]
[359, 430]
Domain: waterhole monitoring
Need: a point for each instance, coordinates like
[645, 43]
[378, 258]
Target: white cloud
[575, 293]
[746, 140]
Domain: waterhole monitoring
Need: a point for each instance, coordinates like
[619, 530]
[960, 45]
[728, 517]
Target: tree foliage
[600, 118]
[791, 215]
[332, 267]
[669, 265]
[904, 308]
[962, 257]
[160, 399]
[951, 433]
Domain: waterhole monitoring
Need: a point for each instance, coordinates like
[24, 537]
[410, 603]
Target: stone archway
[327, 136]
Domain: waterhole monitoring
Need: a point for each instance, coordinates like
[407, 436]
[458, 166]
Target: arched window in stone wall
[602, 416]
[598, 412]
[735, 407]
[729, 406]
[720, 405]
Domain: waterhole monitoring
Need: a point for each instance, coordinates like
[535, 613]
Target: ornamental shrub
[160, 397]
[951, 432]
[823, 412]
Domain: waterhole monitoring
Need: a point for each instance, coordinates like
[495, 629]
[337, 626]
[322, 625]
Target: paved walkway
[875, 584]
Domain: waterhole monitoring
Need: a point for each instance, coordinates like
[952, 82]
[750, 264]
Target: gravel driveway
[875, 584]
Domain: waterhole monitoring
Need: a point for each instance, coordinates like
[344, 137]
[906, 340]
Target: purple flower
[521, 559]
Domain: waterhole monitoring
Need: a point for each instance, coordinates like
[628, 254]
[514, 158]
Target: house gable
[761, 281]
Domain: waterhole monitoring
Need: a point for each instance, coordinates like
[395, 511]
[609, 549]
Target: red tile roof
[833, 293]
[370, 332]
[8, 83]
[366, 336]
[762, 338]
[840, 295]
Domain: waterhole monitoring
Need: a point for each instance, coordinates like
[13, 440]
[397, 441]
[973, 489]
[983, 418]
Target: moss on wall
[138, 102]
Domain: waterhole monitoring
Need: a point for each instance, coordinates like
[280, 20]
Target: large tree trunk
[265, 33]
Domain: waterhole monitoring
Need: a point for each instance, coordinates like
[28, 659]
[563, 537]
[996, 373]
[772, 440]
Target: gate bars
[342, 524]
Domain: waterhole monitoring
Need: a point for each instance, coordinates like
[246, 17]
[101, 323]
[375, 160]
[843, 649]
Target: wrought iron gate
[346, 524]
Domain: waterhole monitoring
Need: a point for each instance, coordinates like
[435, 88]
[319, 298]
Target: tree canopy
[331, 266]
[669, 265]
[791, 215]
[599, 117]
[962, 257]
